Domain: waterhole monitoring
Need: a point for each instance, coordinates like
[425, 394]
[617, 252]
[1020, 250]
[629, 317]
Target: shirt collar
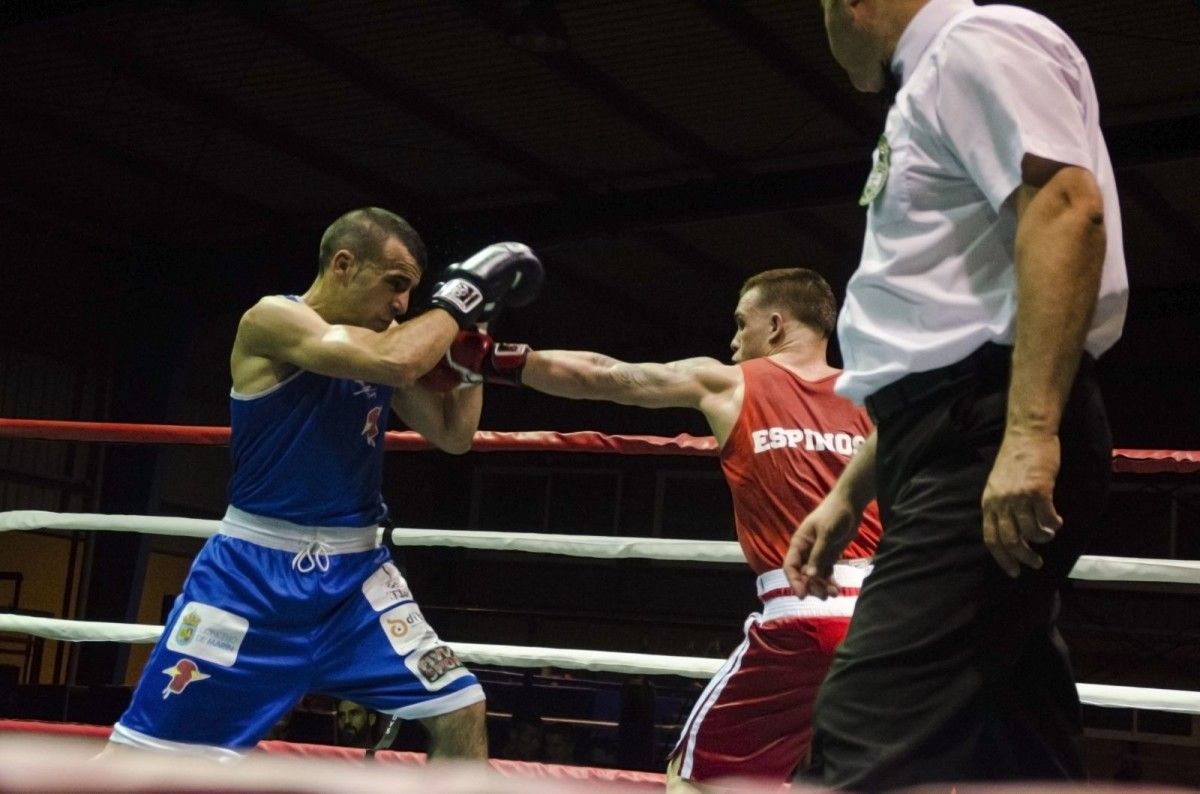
[921, 29]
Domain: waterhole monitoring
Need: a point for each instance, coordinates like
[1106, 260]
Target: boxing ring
[1090, 568]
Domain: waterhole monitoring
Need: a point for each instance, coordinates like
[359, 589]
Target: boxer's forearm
[583, 375]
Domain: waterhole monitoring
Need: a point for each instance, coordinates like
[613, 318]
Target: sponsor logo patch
[462, 293]
[370, 429]
[437, 663]
[187, 628]
[386, 588]
[406, 628]
[182, 673]
[209, 633]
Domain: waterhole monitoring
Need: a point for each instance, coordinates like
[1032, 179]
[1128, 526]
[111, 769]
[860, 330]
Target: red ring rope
[508, 768]
[1125, 461]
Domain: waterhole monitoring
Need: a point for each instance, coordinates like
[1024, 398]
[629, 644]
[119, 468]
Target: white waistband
[849, 574]
[810, 607]
[275, 533]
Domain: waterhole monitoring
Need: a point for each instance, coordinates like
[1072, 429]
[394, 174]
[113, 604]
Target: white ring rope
[1172, 700]
[1089, 568]
[595, 546]
[146, 525]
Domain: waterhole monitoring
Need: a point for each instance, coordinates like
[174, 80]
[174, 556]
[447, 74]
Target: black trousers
[952, 671]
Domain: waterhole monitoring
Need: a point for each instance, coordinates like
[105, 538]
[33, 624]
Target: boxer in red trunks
[784, 437]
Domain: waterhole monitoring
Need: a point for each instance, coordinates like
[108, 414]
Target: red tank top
[789, 444]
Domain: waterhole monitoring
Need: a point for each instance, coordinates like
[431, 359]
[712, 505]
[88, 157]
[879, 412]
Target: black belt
[912, 388]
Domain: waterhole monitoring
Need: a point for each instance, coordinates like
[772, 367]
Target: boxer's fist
[503, 274]
[461, 364]
[474, 357]
[505, 363]
[442, 378]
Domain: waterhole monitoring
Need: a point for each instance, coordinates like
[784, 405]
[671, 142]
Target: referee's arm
[1060, 247]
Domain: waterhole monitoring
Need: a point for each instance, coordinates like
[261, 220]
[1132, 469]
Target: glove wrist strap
[507, 361]
[462, 299]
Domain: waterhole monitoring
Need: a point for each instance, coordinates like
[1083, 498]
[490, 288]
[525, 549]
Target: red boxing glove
[459, 367]
[442, 378]
[474, 357]
[506, 362]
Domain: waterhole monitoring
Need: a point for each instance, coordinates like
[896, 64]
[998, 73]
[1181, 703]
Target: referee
[992, 276]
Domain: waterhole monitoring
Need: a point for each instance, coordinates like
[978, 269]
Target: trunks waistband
[780, 602]
[811, 607]
[275, 533]
[848, 576]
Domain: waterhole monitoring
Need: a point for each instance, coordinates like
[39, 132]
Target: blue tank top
[310, 451]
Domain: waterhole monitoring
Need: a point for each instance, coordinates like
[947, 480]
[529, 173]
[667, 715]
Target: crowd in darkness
[529, 733]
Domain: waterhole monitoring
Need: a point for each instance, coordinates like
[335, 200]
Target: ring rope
[394, 440]
[1125, 461]
[1105, 695]
[1090, 568]
[1094, 568]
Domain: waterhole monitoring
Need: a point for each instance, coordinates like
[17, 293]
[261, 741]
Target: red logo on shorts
[371, 427]
[182, 673]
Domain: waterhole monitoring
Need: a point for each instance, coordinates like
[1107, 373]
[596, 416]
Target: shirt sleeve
[1004, 92]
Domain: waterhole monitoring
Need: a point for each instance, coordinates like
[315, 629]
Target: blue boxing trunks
[271, 611]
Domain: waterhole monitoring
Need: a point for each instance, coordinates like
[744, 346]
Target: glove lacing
[314, 555]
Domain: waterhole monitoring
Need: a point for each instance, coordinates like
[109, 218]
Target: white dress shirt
[980, 89]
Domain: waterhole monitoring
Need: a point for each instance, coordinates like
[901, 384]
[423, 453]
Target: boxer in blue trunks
[294, 594]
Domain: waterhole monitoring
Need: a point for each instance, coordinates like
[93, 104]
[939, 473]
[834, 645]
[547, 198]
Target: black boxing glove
[474, 290]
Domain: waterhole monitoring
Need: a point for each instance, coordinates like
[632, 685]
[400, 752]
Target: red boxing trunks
[754, 719]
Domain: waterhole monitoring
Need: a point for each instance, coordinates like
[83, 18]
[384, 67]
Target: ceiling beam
[228, 113]
[19, 20]
[834, 184]
[1153, 141]
[593, 287]
[375, 79]
[85, 217]
[842, 248]
[625, 212]
[837, 99]
[47, 124]
[628, 104]
[722, 275]
[1176, 224]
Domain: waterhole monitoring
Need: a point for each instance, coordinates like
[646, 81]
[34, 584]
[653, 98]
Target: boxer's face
[752, 339]
[379, 291]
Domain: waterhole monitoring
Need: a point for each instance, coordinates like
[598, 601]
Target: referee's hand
[1018, 500]
[817, 544]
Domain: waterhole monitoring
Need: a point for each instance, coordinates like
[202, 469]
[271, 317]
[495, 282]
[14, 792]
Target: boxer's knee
[461, 733]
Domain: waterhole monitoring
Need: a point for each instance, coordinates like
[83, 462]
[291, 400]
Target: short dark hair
[363, 233]
[800, 292]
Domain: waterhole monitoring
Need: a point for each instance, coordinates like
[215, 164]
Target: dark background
[167, 163]
[162, 165]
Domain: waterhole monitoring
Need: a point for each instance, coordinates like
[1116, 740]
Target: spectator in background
[524, 740]
[355, 725]
[558, 744]
[597, 750]
[635, 731]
